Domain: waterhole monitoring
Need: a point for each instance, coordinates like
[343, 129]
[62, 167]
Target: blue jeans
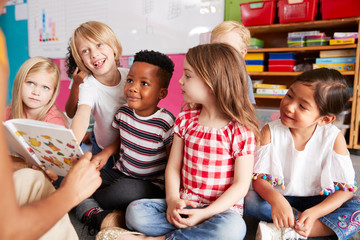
[96, 149]
[344, 221]
[149, 217]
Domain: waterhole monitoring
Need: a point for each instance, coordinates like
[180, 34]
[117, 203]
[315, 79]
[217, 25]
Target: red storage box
[282, 62]
[297, 10]
[258, 13]
[281, 68]
[340, 9]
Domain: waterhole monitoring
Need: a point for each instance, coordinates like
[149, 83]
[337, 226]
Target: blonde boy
[237, 36]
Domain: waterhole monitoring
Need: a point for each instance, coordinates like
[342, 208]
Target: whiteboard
[168, 26]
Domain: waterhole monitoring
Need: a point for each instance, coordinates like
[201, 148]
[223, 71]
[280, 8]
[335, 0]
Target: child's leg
[256, 207]
[344, 221]
[227, 225]
[148, 216]
[124, 190]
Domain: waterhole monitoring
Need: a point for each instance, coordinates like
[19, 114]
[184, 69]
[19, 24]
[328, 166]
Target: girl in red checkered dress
[211, 161]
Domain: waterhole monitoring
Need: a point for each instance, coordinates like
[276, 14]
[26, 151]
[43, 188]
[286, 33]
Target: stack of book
[270, 89]
[281, 62]
[255, 62]
[341, 60]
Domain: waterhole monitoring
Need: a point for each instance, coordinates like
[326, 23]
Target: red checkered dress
[209, 155]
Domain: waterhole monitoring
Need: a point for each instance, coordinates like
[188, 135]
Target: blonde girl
[35, 89]
[97, 51]
[209, 170]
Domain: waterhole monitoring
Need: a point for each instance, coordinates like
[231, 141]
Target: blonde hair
[223, 69]
[99, 32]
[33, 65]
[232, 26]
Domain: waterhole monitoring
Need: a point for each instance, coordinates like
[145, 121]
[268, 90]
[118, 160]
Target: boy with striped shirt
[143, 145]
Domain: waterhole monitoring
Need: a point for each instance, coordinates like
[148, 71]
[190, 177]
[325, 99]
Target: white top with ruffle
[307, 172]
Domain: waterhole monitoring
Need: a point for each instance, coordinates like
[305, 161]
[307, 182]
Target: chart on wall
[169, 26]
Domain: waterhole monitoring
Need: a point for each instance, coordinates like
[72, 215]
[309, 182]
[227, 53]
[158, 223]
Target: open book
[46, 145]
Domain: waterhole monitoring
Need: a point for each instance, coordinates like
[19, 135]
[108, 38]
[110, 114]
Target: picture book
[46, 145]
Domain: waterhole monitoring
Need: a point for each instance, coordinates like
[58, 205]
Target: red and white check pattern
[209, 157]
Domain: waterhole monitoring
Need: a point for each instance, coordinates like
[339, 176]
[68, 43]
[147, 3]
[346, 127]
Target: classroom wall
[16, 35]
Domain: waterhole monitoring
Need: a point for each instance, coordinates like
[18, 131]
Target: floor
[251, 224]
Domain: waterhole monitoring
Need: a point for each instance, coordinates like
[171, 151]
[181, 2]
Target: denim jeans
[149, 217]
[96, 149]
[344, 221]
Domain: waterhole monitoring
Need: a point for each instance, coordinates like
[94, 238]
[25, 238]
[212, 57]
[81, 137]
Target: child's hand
[78, 76]
[173, 211]
[282, 214]
[100, 160]
[305, 223]
[48, 173]
[194, 217]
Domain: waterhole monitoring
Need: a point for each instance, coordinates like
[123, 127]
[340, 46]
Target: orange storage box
[340, 9]
[258, 13]
[297, 10]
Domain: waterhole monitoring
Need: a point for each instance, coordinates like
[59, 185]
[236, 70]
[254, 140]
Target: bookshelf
[275, 40]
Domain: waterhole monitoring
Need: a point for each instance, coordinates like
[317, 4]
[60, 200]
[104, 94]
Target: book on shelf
[46, 145]
[270, 91]
[271, 86]
[338, 53]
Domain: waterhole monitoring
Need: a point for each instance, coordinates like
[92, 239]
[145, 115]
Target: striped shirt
[143, 142]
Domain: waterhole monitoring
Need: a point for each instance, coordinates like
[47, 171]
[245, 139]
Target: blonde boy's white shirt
[104, 102]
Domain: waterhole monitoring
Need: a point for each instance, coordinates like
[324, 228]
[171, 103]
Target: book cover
[268, 91]
[46, 145]
[337, 66]
[338, 53]
[335, 60]
[265, 85]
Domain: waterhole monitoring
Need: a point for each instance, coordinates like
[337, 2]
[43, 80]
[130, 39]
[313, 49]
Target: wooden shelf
[275, 40]
[303, 26]
[302, 49]
[349, 73]
[258, 96]
[268, 96]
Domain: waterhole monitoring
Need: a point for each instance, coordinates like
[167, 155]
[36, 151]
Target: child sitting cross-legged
[306, 161]
[144, 141]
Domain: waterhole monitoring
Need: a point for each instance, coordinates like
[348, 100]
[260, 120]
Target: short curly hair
[165, 64]
[70, 63]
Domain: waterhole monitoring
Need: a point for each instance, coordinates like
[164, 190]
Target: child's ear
[326, 119]
[163, 93]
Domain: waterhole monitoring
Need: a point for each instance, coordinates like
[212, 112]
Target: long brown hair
[223, 70]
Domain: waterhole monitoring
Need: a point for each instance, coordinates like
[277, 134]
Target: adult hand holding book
[46, 145]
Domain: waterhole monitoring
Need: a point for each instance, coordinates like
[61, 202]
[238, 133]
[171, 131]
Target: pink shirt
[54, 115]
[209, 157]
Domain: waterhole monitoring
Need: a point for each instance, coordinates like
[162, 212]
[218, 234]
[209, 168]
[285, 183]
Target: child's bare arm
[306, 219]
[80, 123]
[172, 178]
[71, 103]
[281, 209]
